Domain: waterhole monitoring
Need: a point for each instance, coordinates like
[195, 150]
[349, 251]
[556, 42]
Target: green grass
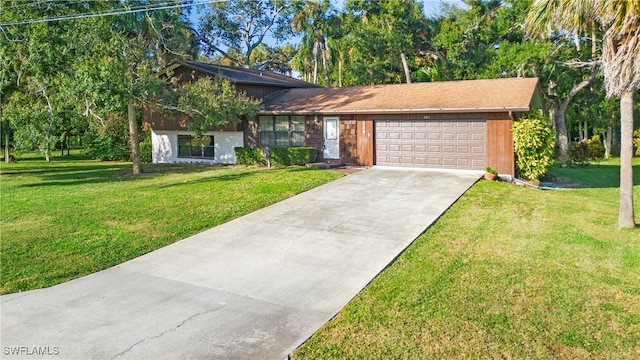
[508, 272]
[73, 216]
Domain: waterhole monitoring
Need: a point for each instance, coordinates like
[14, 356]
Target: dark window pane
[297, 123]
[265, 123]
[190, 147]
[297, 138]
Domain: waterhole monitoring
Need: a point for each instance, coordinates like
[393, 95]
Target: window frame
[272, 131]
[193, 153]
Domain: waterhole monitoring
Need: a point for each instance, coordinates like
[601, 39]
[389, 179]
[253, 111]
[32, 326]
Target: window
[282, 131]
[190, 147]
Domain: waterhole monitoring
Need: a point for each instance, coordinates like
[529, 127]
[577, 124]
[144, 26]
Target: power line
[111, 12]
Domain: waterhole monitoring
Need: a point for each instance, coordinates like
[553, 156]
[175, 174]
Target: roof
[507, 94]
[243, 76]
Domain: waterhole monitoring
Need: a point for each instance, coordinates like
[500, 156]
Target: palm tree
[620, 64]
[621, 68]
[312, 21]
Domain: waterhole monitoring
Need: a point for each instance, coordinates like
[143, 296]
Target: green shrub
[107, 147]
[534, 140]
[596, 147]
[587, 150]
[146, 152]
[279, 156]
[293, 155]
[249, 156]
[580, 153]
[636, 141]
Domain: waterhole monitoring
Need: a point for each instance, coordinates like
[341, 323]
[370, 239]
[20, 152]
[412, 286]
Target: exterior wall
[348, 141]
[314, 135]
[358, 150]
[500, 152]
[165, 147]
[182, 75]
[153, 119]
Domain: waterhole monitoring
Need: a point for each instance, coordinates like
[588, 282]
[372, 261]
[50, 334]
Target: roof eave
[397, 111]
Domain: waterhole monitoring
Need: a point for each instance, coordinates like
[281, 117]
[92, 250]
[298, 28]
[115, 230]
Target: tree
[377, 33]
[117, 73]
[207, 103]
[36, 67]
[242, 25]
[620, 64]
[621, 67]
[313, 20]
[277, 59]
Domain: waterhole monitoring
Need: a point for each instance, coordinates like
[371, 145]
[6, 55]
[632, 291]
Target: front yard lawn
[507, 273]
[73, 216]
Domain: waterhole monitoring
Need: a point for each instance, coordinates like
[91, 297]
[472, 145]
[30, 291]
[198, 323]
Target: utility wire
[109, 12]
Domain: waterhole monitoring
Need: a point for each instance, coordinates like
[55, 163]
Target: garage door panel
[447, 136]
[431, 143]
[448, 149]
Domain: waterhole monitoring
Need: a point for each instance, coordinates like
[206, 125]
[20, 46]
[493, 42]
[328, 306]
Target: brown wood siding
[348, 141]
[153, 119]
[257, 91]
[365, 140]
[313, 136]
[183, 75]
[500, 155]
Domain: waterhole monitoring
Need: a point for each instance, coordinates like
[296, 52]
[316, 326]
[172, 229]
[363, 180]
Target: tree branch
[207, 42]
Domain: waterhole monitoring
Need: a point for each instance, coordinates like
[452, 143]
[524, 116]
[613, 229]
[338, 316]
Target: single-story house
[448, 124]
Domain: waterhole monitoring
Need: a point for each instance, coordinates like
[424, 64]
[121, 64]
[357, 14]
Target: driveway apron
[253, 288]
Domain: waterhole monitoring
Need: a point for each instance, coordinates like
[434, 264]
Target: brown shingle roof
[509, 94]
[243, 76]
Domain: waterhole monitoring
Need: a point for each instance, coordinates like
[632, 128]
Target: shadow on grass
[603, 175]
[82, 172]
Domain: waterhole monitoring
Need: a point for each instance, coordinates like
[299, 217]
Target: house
[449, 124]
[173, 143]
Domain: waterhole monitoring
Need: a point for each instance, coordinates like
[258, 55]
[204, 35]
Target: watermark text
[31, 350]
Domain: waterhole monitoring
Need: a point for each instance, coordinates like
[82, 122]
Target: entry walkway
[253, 288]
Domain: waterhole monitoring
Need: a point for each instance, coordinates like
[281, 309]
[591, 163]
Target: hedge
[279, 156]
[249, 156]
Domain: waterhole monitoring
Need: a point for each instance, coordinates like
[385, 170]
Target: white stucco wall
[165, 147]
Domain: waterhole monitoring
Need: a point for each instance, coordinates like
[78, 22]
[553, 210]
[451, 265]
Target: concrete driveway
[253, 288]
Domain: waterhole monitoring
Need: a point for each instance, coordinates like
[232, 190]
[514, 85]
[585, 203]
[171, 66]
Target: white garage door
[451, 144]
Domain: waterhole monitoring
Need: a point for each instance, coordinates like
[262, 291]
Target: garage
[448, 144]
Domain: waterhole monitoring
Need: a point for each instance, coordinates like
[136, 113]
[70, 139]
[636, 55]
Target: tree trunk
[135, 142]
[407, 74]
[607, 141]
[315, 63]
[559, 110]
[626, 217]
[562, 132]
[6, 137]
[324, 64]
[580, 136]
[6, 144]
[340, 72]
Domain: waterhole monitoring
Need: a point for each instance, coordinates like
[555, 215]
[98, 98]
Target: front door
[331, 145]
